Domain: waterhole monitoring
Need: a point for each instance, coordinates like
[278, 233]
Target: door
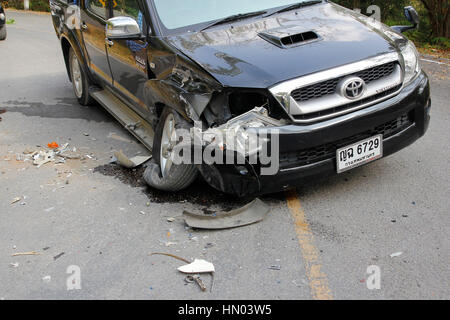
[93, 26]
[128, 58]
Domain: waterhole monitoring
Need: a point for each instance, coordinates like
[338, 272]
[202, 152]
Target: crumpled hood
[239, 57]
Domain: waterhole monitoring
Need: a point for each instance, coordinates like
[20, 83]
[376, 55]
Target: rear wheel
[80, 81]
[3, 32]
[162, 173]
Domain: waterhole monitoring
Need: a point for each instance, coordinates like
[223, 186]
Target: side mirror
[412, 16]
[123, 28]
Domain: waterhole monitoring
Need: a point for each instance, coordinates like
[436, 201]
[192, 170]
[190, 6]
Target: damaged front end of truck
[267, 103]
[225, 140]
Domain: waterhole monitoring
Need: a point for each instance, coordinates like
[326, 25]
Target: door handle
[109, 42]
[84, 26]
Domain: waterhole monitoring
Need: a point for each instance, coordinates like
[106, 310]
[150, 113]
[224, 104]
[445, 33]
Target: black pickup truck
[324, 89]
[2, 23]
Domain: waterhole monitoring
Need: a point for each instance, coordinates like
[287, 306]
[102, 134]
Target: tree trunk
[438, 13]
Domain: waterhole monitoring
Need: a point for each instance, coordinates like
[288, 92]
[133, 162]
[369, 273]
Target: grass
[10, 21]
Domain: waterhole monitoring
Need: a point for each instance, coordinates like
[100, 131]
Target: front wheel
[3, 32]
[162, 173]
[80, 81]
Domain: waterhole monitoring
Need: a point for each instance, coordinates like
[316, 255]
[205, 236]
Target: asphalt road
[323, 237]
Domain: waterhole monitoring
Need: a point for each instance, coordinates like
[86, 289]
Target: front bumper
[308, 152]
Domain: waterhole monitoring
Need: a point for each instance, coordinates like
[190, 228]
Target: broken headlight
[412, 65]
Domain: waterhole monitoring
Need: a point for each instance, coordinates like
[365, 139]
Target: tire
[80, 81]
[178, 177]
[3, 32]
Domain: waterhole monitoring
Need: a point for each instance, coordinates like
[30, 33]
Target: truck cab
[2, 23]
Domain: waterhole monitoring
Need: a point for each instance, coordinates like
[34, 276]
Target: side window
[98, 7]
[128, 8]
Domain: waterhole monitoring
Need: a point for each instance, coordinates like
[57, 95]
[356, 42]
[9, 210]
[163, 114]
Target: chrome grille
[329, 87]
[347, 106]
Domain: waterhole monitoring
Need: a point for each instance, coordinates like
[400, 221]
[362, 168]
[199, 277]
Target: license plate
[359, 153]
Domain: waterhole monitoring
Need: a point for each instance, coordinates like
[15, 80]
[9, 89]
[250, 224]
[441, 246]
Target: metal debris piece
[251, 213]
[130, 163]
[169, 255]
[58, 256]
[198, 266]
[30, 253]
[277, 268]
[16, 200]
[198, 280]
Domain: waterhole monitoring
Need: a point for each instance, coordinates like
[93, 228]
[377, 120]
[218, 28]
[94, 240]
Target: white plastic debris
[397, 254]
[198, 266]
[14, 264]
[43, 157]
[47, 279]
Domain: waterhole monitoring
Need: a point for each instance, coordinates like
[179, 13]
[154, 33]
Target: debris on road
[170, 219]
[130, 163]
[15, 200]
[53, 145]
[55, 153]
[168, 243]
[277, 268]
[115, 136]
[397, 254]
[43, 157]
[198, 280]
[2, 111]
[58, 256]
[169, 255]
[198, 266]
[47, 279]
[251, 213]
[14, 264]
[30, 253]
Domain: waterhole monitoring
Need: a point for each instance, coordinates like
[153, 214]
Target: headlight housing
[2, 16]
[412, 65]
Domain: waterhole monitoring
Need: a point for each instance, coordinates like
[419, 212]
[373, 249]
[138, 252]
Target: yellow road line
[318, 281]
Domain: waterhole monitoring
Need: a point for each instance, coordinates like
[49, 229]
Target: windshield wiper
[233, 17]
[292, 7]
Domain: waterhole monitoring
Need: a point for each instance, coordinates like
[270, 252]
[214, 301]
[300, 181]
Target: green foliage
[39, 5]
[392, 14]
[35, 5]
[389, 9]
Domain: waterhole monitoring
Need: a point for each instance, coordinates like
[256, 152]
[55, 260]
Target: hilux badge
[353, 88]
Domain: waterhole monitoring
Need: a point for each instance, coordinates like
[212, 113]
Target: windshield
[175, 14]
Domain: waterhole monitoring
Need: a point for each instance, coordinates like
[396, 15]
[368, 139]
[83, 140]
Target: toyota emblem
[353, 88]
